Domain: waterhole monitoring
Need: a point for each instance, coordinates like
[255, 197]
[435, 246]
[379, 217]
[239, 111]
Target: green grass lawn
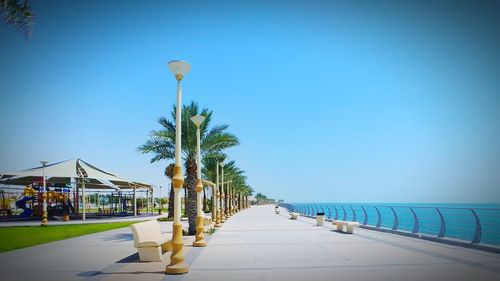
[18, 237]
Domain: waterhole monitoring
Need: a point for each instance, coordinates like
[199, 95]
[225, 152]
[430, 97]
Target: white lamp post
[45, 221]
[177, 264]
[199, 238]
[223, 194]
[160, 203]
[218, 198]
[229, 196]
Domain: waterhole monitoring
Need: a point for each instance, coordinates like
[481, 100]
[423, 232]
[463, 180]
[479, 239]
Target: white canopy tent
[72, 171]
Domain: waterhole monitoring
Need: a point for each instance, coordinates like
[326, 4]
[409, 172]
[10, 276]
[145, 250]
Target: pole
[84, 201]
[200, 237]
[218, 202]
[177, 264]
[223, 211]
[45, 220]
[135, 201]
[160, 203]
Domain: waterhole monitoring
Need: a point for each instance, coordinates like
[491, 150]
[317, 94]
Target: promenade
[260, 245]
[257, 244]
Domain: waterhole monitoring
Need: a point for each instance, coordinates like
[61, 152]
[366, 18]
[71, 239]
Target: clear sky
[333, 101]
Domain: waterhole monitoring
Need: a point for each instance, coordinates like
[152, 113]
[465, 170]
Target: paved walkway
[256, 244]
[259, 245]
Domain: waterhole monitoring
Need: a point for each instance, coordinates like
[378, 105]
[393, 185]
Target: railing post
[353, 214]
[415, 224]
[379, 219]
[395, 226]
[329, 212]
[322, 210]
[365, 220]
[345, 214]
[336, 212]
[442, 229]
[477, 235]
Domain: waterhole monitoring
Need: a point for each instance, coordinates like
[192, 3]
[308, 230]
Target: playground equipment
[4, 207]
[21, 204]
[28, 195]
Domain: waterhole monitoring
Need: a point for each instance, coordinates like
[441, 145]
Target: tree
[231, 173]
[260, 196]
[169, 172]
[19, 15]
[209, 172]
[161, 144]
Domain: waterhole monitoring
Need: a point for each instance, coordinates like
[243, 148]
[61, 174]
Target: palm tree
[20, 15]
[213, 141]
[231, 172]
[209, 172]
[169, 172]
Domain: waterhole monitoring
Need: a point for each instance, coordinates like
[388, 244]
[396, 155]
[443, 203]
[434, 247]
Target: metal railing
[480, 226]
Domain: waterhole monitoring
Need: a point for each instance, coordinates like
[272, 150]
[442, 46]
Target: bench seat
[149, 240]
[349, 225]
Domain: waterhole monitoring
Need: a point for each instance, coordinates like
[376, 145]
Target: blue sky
[332, 101]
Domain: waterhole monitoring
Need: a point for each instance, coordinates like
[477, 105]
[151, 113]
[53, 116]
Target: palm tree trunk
[205, 203]
[171, 201]
[190, 185]
[185, 200]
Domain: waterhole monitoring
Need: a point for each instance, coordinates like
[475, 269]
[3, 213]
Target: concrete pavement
[260, 245]
[257, 244]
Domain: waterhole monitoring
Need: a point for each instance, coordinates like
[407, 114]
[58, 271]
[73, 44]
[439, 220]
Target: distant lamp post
[200, 237]
[218, 202]
[45, 221]
[230, 200]
[229, 195]
[177, 264]
[160, 203]
[223, 195]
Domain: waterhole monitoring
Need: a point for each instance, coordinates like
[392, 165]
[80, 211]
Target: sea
[474, 223]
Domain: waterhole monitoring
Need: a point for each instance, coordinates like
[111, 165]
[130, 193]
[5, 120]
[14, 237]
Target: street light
[177, 264]
[229, 197]
[218, 198]
[45, 221]
[223, 195]
[230, 200]
[200, 237]
[160, 203]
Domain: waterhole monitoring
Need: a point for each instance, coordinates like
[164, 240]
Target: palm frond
[19, 15]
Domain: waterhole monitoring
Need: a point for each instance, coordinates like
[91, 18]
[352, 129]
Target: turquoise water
[478, 223]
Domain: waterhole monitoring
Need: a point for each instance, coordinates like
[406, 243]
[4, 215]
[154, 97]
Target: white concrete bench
[149, 240]
[349, 225]
[294, 216]
[207, 221]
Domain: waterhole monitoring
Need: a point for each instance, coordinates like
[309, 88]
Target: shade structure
[69, 171]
